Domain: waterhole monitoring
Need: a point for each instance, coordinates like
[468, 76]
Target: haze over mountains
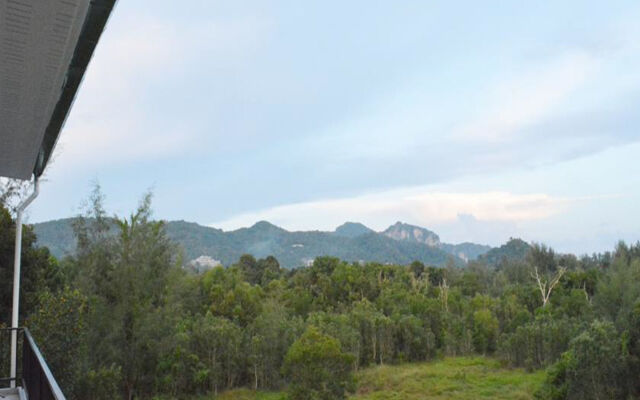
[400, 243]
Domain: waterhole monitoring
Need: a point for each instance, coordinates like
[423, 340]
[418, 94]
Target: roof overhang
[45, 48]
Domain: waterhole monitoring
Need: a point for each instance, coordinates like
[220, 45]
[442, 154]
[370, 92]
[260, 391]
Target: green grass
[452, 378]
[244, 394]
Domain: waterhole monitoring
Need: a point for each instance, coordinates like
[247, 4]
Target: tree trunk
[373, 341]
[255, 374]
[129, 390]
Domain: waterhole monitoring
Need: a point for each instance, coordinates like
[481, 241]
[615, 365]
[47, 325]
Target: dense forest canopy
[122, 318]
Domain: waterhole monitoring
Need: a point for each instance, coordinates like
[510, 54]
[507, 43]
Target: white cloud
[493, 115]
[528, 98]
[109, 121]
[114, 118]
[418, 205]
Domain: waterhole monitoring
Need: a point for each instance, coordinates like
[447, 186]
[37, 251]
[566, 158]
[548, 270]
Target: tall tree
[123, 265]
[40, 271]
[318, 369]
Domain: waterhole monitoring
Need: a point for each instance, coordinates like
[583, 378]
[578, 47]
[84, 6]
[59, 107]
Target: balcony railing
[33, 374]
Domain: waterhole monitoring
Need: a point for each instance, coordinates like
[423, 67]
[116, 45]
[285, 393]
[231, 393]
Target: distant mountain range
[400, 243]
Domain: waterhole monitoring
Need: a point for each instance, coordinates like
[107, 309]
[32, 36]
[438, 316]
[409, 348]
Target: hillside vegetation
[399, 244]
[513, 251]
[144, 327]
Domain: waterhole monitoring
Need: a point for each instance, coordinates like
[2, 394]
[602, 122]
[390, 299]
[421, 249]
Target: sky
[478, 120]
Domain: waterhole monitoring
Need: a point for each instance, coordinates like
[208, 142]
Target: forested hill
[399, 244]
[513, 250]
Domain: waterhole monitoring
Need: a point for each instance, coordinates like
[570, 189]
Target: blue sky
[479, 120]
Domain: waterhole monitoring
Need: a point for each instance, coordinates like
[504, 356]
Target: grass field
[244, 394]
[452, 378]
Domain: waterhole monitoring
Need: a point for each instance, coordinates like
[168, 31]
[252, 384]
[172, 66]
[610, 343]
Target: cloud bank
[421, 206]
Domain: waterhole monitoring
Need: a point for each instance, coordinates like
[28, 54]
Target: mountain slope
[57, 235]
[350, 242]
[411, 233]
[415, 234]
[295, 249]
[352, 229]
[513, 250]
[467, 251]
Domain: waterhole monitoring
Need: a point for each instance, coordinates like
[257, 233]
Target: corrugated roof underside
[37, 41]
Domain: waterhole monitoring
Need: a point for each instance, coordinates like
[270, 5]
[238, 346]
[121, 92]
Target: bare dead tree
[419, 284]
[11, 192]
[545, 285]
[586, 294]
[444, 293]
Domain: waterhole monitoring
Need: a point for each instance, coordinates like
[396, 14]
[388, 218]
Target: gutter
[16, 275]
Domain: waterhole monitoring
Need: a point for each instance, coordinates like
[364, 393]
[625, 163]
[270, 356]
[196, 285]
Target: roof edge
[97, 15]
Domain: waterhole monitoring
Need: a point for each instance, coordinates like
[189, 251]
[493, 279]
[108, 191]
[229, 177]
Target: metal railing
[5, 357]
[33, 373]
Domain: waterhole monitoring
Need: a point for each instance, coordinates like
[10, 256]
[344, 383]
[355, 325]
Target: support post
[16, 278]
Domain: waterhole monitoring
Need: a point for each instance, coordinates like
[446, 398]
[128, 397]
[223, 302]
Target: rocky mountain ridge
[399, 244]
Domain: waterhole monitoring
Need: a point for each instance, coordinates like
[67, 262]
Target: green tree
[485, 331]
[230, 296]
[217, 344]
[123, 266]
[317, 368]
[59, 326]
[593, 368]
[40, 271]
[270, 335]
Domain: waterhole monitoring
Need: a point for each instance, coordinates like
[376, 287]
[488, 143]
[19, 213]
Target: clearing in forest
[452, 378]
